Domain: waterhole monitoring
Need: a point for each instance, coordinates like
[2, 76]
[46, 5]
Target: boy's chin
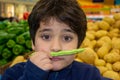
[57, 69]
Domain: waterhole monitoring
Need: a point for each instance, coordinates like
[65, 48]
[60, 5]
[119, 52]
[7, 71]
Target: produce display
[14, 40]
[102, 45]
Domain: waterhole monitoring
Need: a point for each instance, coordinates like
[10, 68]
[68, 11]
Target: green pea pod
[70, 52]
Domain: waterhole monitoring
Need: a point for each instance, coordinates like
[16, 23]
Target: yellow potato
[112, 75]
[108, 66]
[117, 24]
[116, 43]
[102, 51]
[102, 40]
[114, 50]
[88, 56]
[92, 32]
[103, 25]
[18, 59]
[78, 59]
[112, 57]
[102, 69]
[101, 33]
[114, 32]
[119, 73]
[92, 26]
[93, 44]
[90, 36]
[99, 62]
[116, 16]
[109, 20]
[86, 43]
[116, 66]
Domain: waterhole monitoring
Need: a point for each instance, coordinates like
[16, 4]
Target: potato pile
[102, 45]
[18, 59]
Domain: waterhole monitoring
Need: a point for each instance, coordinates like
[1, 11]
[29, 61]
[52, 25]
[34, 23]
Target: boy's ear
[33, 46]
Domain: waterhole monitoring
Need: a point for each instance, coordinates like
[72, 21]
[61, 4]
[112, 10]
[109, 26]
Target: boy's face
[56, 36]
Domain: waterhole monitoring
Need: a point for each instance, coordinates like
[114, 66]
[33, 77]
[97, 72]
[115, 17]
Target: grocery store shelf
[98, 17]
[29, 2]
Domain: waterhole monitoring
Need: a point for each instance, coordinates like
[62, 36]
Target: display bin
[3, 68]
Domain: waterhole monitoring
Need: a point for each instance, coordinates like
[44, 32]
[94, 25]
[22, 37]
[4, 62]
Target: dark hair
[66, 11]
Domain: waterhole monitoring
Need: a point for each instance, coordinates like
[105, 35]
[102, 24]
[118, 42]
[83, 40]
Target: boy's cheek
[38, 48]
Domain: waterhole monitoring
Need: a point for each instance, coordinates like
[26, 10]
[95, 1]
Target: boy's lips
[56, 58]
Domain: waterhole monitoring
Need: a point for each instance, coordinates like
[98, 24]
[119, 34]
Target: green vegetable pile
[14, 40]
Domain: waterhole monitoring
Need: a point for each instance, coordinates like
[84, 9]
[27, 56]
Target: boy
[55, 25]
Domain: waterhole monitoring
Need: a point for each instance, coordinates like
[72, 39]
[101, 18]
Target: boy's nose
[56, 45]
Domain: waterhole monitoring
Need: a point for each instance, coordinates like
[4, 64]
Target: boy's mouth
[56, 58]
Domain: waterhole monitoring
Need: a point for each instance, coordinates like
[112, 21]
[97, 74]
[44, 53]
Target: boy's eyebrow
[68, 30]
[43, 30]
[64, 30]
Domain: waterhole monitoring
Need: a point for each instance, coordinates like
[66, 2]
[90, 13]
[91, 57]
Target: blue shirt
[75, 71]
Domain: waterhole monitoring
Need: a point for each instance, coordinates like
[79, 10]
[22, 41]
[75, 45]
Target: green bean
[70, 52]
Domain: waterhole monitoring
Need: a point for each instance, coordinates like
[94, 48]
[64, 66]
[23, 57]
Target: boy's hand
[42, 60]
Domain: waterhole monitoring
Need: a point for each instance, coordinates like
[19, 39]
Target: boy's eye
[67, 38]
[46, 37]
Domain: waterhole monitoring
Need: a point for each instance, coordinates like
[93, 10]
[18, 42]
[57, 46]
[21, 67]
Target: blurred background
[16, 8]
[102, 41]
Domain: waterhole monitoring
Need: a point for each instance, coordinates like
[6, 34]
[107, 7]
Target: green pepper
[3, 36]
[11, 43]
[27, 28]
[2, 25]
[17, 49]
[70, 52]
[11, 36]
[20, 39]
[27, 51]
[3, 62]
[6, 22]
[2, 47]
[25, 22]
[14, 24]
[15, 30]
[6, 53]
[26, 35]
[28, 44]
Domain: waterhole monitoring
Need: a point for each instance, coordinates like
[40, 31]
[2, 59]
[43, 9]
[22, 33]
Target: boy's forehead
[47, 26]
[51, 22]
